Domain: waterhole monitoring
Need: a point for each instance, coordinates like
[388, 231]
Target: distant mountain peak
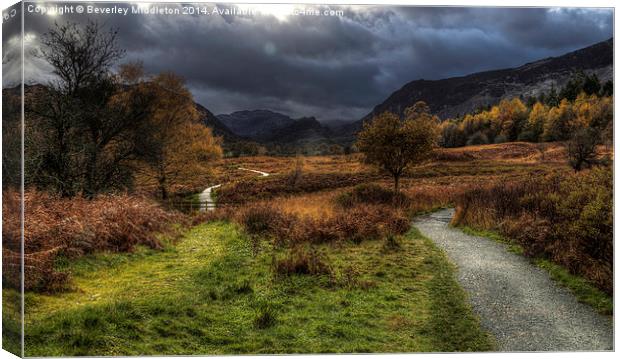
[458, 95]
[255, 124]
[463, 94]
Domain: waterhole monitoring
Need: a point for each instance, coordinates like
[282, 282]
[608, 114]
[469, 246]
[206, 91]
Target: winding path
[207, 203]
[517, 302]
[264, 174]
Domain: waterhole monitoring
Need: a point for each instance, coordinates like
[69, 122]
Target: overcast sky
[330, 67]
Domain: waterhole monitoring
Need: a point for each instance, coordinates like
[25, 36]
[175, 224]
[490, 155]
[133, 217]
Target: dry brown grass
[262, 188]
[422, 196]
[73, 227]
[520, 151]
[567, 218]
[425, 198]
[312, 205]
[285, 165]
[356, 224]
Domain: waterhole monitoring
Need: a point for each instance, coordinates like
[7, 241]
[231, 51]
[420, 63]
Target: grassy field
[217, 289]
[209, 294]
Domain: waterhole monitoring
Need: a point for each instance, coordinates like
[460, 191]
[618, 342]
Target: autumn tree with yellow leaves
[175, 148]
[93, 130]
[512, 120]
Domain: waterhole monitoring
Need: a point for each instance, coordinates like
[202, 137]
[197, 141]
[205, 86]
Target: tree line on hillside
[93, 130]
[583, 105]
[585, 121]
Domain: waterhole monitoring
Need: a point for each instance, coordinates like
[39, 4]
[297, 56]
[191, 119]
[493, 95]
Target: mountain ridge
[458, 95]
[446, 98]
[255, 124]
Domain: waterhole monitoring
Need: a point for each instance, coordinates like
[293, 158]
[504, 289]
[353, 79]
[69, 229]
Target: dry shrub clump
[370, 193]
[302, 260]
[264, 220]
[73, 227]
[568, 219]
[428, 198]
[368, 222]
[416, 199]
[316, 205]
[273, 186]
[362, 222]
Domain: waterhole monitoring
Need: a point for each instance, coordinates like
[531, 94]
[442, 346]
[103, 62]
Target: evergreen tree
[591, 85]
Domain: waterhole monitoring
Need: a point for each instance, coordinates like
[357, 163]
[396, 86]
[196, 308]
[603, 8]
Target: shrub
[370, 193]
[265, 317]
[262, 219]
[565, 218]
[582, 148]
[272, 186]
[477, 138]
[73, 227]
[362, 222]
[40, 274]
[302, 260]
[500, 139]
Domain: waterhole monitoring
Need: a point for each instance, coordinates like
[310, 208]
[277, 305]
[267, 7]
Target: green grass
[211, 294]
[583, 290]
[11, 322]
[580, 287]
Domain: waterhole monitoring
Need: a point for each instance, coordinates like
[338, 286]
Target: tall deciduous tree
[85, 137]
[536, 122]
[394, 145]
[175, 147]
[582, 148]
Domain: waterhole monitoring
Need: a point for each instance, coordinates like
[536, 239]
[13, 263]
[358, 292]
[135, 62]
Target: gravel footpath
[517, 302]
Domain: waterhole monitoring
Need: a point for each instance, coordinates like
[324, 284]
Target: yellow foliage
[512, 120]
[179, 148]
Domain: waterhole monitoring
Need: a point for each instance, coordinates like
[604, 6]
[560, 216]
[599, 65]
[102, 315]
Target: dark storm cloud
[338, 67]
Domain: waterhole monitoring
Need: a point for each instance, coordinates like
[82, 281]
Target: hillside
[306, 129]
[255, 124]
[277, 131]
[458, 95]
[446, 98]
[219, 129]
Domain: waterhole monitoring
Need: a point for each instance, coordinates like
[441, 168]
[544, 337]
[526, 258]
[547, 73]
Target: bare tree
[81, 56]
[89, 118]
